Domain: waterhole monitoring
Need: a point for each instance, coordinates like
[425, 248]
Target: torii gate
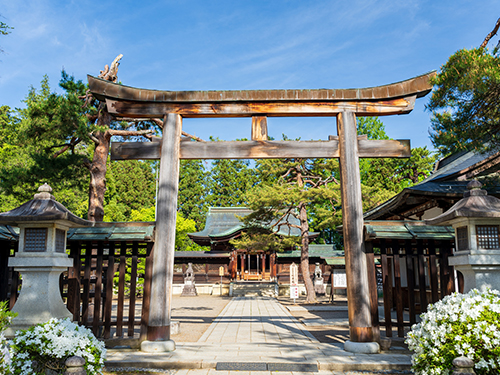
[345, 104]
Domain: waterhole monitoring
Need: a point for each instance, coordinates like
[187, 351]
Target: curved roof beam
[395, 98]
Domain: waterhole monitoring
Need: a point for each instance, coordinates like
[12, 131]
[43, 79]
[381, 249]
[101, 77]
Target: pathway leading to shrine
[256, 333]
[254, 321]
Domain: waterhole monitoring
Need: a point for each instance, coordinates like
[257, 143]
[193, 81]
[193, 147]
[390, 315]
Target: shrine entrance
[125, 102]
[254, 266]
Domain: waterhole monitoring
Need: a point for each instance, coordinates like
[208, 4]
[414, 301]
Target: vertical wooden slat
[146, 298]
[133, 283]
[121, 289]
[4, 269]
[372, 280]
[108, 302]
[421, 276]
[410, 276]
[433, 274]
[387, 286]
[86, 283]
[358, 291]
[98, 289]
[398, 293]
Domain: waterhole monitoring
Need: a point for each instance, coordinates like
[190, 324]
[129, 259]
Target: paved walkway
[257, 334]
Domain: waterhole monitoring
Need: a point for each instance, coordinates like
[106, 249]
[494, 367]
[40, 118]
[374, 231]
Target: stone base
[189, 290]
[362, 347]
[158, 346]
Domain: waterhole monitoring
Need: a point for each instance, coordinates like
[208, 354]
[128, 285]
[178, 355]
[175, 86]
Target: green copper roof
[395, 229]
[223, 223]
[315, 251]
[134, 231]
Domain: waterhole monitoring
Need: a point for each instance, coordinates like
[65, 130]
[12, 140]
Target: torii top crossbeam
[395, 98]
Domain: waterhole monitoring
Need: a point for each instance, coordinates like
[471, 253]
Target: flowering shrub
[48, 345]
[458, 325]
[5, 319]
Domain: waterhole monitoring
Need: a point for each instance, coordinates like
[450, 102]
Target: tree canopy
[465, 103]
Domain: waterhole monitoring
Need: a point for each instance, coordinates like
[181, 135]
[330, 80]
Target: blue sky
[219, 45]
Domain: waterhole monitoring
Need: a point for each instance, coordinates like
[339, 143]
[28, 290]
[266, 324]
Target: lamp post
[41, 257]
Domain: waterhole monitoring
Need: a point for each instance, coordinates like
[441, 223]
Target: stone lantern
[41, 257]
[476, 220]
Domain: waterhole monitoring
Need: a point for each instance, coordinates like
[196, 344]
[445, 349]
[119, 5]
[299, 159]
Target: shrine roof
[449, 180]
[406, 230]
[224, 224]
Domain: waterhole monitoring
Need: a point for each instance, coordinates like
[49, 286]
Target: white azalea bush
[458, 325]
[46, 346]
[5, 320]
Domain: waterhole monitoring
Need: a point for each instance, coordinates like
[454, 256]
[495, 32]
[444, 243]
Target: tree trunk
[304, 254]
[97, 186]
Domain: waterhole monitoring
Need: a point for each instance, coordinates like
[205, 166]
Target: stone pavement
[257, 334]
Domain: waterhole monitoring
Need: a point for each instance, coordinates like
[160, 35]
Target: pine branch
[490, 35]
[129, 132]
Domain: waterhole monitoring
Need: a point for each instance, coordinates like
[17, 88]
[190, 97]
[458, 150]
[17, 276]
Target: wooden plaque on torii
[344, 104]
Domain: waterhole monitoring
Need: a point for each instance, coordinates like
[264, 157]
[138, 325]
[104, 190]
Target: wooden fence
[104, 284]
[414, 273]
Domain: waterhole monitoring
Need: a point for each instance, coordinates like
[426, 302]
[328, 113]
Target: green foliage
[130, 185]
[183, 226]
[389, 176]
[229, 180]
[5, 29]
[465, 103]
[25, 165]
[192, 197]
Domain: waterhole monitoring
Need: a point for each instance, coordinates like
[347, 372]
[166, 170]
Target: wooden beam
[419, 86]
[259, 128]
[358, 291]
[138, 109]
[261, 149]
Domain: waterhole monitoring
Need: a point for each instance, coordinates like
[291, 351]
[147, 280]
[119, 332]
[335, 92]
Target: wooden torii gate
[344, 104]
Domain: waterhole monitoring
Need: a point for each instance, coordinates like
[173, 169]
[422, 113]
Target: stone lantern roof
[42, 208]
[475, 203]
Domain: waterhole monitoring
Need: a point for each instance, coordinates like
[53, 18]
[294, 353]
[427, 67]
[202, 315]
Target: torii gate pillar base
[362, 347]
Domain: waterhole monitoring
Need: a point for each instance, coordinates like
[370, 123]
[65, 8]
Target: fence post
[463, 366]
[75, 366]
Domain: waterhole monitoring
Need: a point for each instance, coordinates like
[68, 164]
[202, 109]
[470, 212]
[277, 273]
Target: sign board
[339, 279]
[294, 274]
[294, 291]
[221, 271]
